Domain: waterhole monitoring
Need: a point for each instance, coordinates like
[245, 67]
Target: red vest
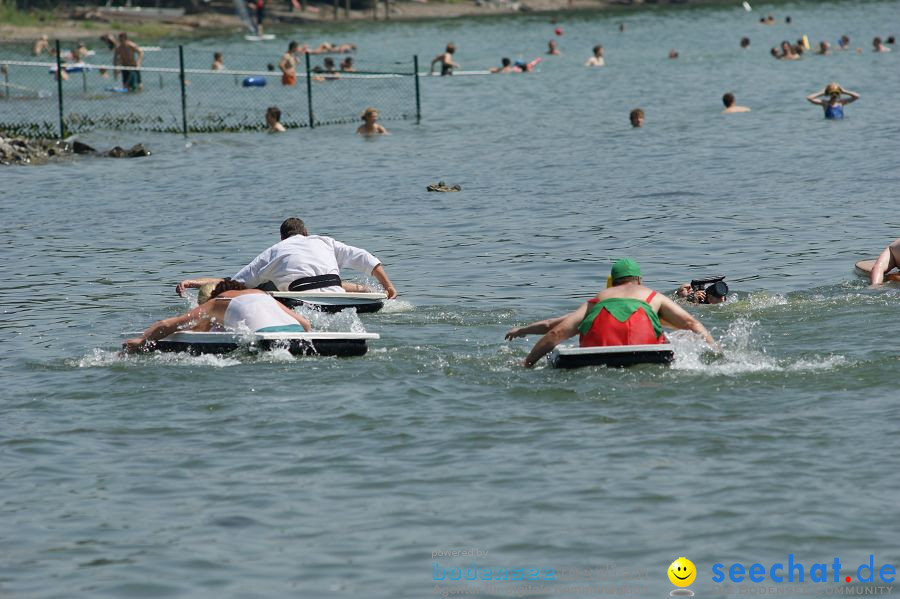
[607, 330]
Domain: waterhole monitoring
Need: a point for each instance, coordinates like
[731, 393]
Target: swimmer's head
[204, 294]
[636, 117]
[625, 270]
[598, 50]
[505, 62]
[745, 41]
[451, 48]
[370, 114]
[728, 100]
[292, 47]
[293, 226]
[273, 115]
[833, 89]
[226, 285]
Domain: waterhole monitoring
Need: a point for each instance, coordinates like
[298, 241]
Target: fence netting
[329, 91]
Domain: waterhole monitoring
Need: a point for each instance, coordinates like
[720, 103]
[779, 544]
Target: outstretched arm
[540, 327]
[562, 331]
[163, 328]
[382, 277]
[194, 284]
[679, 318]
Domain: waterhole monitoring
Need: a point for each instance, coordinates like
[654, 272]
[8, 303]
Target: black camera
[711, 286]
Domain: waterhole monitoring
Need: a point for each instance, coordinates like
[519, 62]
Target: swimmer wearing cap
[834, 105]
[627, 313]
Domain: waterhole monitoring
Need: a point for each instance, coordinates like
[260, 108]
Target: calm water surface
[242, 476]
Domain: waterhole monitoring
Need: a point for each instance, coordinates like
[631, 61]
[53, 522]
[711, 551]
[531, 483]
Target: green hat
[625, 267]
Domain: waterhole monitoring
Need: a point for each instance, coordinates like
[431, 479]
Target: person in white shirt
[231, 306]
[304, 262]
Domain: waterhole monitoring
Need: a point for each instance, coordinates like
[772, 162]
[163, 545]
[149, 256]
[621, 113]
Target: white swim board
[332, 301]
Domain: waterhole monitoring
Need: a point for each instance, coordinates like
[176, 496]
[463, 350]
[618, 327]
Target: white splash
[741, 353]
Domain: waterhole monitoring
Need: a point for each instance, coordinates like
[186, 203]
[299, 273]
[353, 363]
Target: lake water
[242, 476]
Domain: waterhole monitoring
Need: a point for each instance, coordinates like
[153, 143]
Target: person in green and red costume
[627, 313]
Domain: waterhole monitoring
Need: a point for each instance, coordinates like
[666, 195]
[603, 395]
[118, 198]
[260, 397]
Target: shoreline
[77, 25]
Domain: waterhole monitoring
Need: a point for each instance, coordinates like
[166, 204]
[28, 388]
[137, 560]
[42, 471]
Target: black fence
[36, 102]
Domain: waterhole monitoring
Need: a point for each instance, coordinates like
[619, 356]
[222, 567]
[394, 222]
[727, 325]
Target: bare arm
[882, 265]
[194, 284]
[540, 327]
[140, 54]
[163, 328]
[814, 97]
[382, 277]
[853, 96]
[679, 318]
[562, 331]
[302, 321]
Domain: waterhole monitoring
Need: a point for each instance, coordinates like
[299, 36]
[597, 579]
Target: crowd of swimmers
[832, 97]
[625, 313]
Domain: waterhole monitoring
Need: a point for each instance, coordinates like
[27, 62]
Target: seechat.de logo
[794, 571]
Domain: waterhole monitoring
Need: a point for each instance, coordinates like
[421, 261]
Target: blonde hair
[833, 88]
[368, 111]
[204, 293]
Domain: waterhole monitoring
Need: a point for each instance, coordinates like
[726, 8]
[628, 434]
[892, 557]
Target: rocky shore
[17, 150]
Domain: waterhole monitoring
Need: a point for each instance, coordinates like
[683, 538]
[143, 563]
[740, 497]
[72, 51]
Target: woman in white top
[232, 306]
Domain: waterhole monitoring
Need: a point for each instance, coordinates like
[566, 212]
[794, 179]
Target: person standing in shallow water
[446, 61]
[834, 105]
[731, 106]
[370, 126]
[273, 120]
[597, 59]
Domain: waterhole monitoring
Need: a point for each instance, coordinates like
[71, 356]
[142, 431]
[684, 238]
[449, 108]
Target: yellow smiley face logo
[682, 572]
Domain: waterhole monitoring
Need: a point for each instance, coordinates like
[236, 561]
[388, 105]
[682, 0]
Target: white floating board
[333, 301]
[260, 38]
[612, 355]
[313, 343]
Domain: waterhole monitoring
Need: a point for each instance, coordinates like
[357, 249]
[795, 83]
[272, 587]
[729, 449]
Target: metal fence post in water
[312, 120]
[183, 92]
[418, 97]
[59, 89]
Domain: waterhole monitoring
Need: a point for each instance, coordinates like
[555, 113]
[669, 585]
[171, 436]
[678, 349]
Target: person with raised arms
[627, 313]
[231, 306]
[886, 261]
[304, 262]
[835, 102]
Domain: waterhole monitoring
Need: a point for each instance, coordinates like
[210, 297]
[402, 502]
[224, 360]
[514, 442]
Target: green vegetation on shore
[10, 15]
